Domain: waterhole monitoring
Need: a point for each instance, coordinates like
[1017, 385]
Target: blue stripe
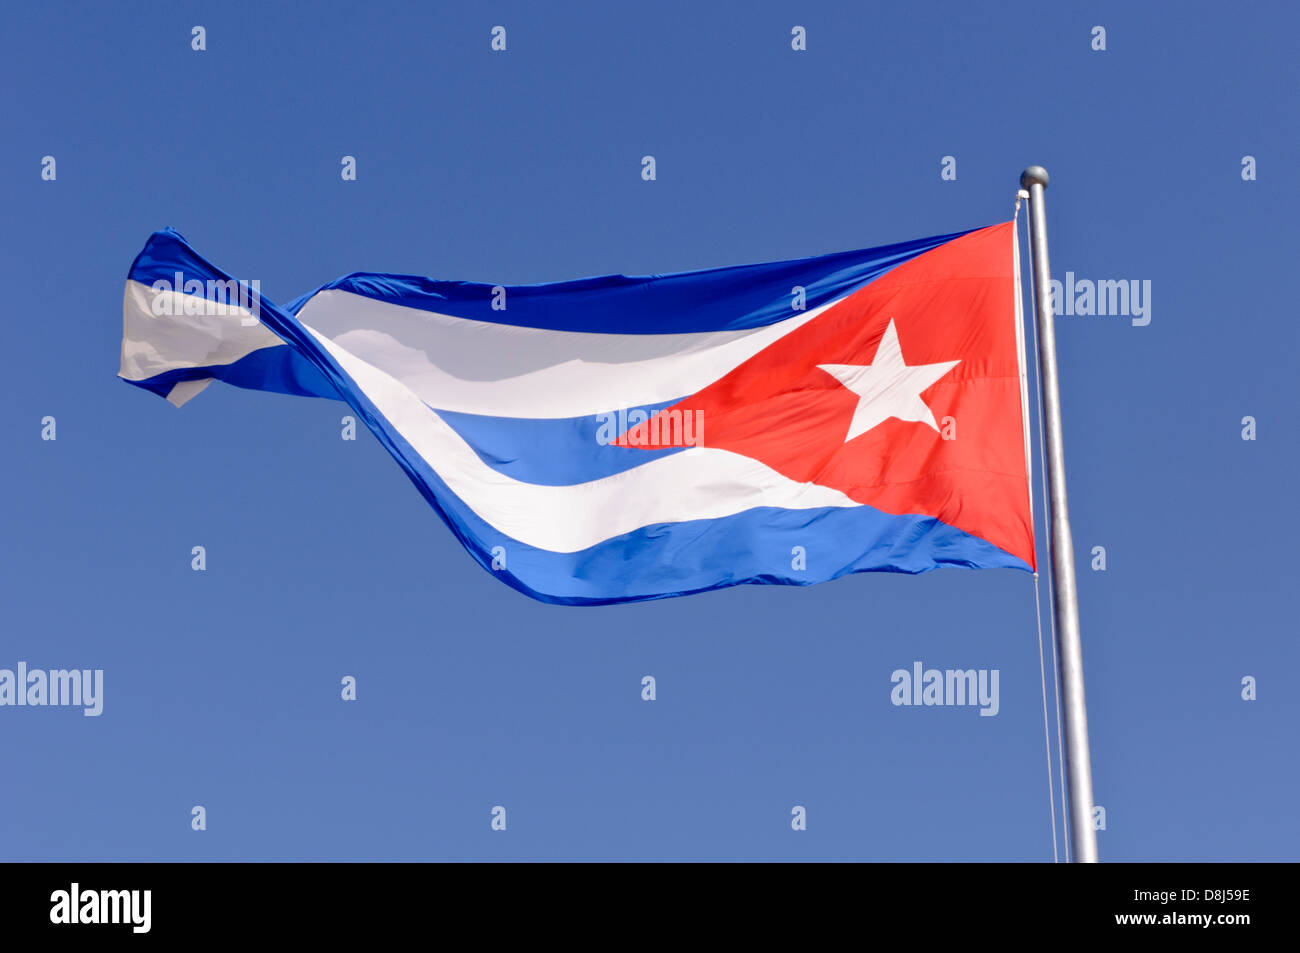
[550, 452]
[661, 560]
[553, 451]
[281, 370]
[715, 299]
[753, 547]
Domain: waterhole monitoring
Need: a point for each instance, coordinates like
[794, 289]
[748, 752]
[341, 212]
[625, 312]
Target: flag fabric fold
[625, 438]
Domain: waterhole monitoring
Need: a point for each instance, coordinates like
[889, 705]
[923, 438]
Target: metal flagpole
[1083, 838]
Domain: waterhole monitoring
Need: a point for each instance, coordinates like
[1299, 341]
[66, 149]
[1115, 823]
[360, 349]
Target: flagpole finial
[1035, 174]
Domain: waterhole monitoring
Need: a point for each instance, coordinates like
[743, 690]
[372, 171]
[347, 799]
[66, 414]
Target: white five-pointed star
[887, 387]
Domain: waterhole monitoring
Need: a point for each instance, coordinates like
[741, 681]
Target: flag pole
[1083, 838]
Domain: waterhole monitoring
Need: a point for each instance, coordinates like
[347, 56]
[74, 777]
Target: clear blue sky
[222, 687]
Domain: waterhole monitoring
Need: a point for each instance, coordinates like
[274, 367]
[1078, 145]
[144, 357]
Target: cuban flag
[626, 438]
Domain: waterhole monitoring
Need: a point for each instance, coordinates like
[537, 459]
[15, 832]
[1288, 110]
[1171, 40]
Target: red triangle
[955, 302]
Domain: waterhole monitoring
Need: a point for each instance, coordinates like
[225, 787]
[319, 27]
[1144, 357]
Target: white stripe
[698, 483]
[183, 391]
[499, 370]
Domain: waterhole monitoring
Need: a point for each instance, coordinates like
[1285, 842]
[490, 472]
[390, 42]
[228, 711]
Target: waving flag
[624, 438]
